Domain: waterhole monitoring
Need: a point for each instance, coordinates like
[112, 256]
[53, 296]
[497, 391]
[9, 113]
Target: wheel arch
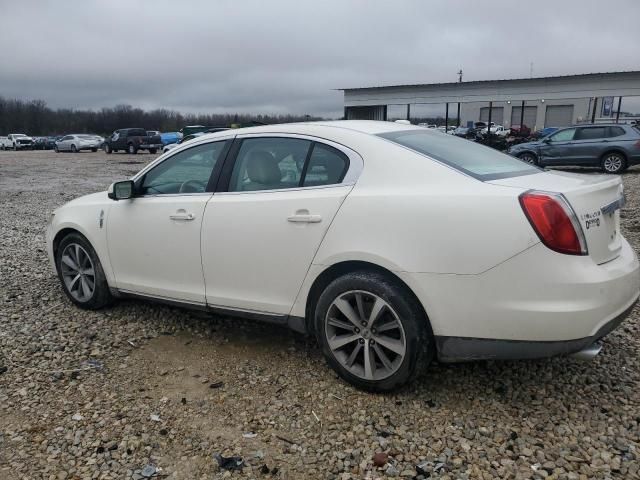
[349, 266]
[614, 150]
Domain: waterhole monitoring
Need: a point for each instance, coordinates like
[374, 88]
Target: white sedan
[78, 142]
[392, 244]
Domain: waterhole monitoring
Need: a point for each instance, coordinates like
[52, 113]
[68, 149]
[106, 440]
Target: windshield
[476, 160]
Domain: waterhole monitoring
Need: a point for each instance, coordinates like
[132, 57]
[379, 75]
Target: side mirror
[121, 190]
[546, 140]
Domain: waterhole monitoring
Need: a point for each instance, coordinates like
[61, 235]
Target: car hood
[99, 198]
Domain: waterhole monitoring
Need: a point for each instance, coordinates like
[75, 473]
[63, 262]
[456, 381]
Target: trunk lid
[596, 200]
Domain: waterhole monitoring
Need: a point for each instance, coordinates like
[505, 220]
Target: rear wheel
[613, 162]
[81, 273]
[131, 148]
[372, 332]
[529, 158]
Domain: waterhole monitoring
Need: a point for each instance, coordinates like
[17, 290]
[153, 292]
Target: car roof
[371, 127]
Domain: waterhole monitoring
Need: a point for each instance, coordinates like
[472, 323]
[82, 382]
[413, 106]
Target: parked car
[499, 130]
[16, 141]
[168, 138]
[520, 131]
[544, 132]
[313, 227]
[131, 140]
[171, 146]
[78, 142]
[44, 143]
[461, 131]
[613, 148]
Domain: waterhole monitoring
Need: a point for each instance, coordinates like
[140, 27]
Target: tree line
[34, 117]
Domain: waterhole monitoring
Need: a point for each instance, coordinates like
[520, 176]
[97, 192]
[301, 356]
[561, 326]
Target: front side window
[591, 133]
[188, 171]
[476, 160]
[563, 135]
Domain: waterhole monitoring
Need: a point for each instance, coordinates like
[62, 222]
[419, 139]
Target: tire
[72, 247]
[613, 162]
[529, 158]
[15, 148]
[407, 330]
[131, 149]
[153, 151]
[74, 149]
[107, 149]
[56, 149]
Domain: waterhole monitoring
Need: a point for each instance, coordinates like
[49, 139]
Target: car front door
[556, 149]
[154, 238]
[279, 194]
[65, 143]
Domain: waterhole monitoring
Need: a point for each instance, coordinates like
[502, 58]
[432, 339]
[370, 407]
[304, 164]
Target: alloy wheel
[527, 157]
[365, 335]
[613, 163]
[78, 272]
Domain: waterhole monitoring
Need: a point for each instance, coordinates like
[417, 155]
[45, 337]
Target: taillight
[554, 221]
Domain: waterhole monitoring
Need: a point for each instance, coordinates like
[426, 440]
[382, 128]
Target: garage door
[558, 116]
[530, 114]
[497, 115]
[375, 112]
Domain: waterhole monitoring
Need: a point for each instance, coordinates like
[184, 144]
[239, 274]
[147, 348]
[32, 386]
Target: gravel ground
[104, 394]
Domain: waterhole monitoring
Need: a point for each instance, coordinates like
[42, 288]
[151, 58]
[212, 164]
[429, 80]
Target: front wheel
[372, 332]
[81, 273]
[74, 149]
[529, 158]
[56, 149]
[107, 148]
[613, 162]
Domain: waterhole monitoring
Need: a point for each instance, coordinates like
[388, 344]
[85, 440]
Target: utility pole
[459, 81]
[460, 76]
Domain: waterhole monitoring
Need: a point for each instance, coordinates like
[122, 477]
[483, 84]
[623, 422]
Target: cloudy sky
[288, 56]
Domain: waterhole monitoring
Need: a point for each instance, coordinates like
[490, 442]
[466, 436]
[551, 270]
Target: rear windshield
[476, 160]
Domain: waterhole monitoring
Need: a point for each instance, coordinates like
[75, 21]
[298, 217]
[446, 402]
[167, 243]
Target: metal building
[535, 102]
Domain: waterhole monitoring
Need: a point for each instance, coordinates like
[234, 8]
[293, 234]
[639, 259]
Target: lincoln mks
[391, 244]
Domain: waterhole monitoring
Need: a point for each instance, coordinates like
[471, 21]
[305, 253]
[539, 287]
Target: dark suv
[610, 147]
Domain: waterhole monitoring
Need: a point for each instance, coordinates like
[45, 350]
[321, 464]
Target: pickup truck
[16, 141]
[131, 140]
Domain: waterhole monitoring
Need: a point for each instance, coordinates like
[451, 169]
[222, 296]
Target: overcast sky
[287, 56]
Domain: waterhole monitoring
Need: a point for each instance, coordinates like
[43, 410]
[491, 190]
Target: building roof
[480, 82]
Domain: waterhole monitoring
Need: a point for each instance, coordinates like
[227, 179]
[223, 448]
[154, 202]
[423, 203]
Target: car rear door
[589, 144]
[277, 197]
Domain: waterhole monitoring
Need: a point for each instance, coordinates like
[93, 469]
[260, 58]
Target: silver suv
[610, 147]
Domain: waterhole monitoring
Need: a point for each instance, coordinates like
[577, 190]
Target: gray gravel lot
[103, 394]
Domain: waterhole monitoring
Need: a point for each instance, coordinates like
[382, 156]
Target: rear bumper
[536, 304]
[461, 349]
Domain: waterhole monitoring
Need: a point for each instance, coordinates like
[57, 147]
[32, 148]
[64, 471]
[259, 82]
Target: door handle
[304, 218]
[183, 216]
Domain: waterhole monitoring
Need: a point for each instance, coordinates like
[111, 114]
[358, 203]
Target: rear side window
[476, 160]
[327, 165]
[616, 131]
[591, 133]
